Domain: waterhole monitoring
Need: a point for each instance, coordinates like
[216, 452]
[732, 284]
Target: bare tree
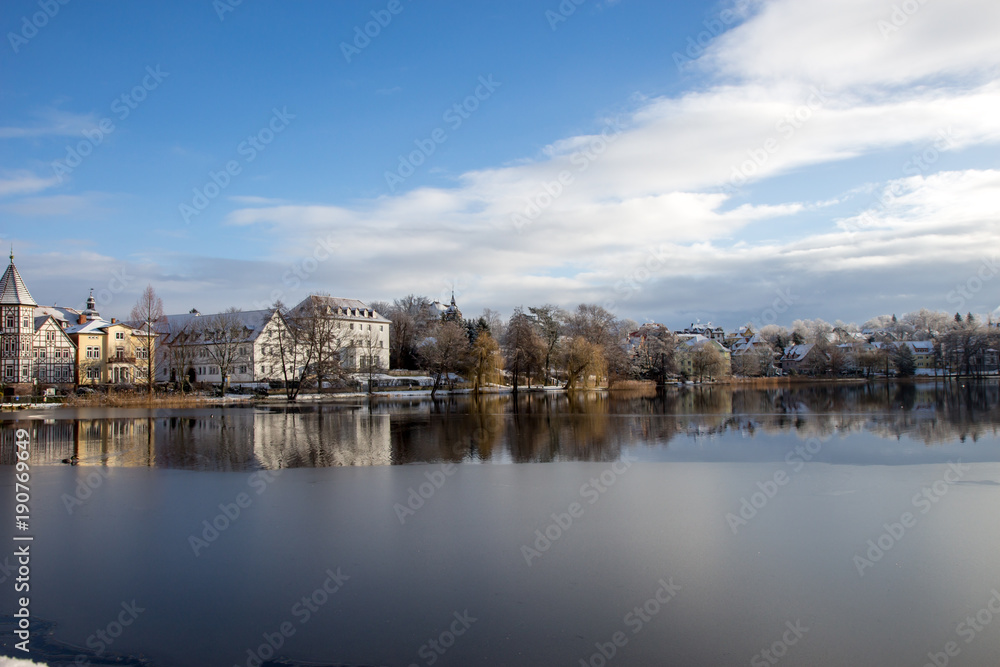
[549, 319]
[598, 325]
[370, 346]
[147, 317]
[411, 317]
[522, 346]
[494, 322]
[179, 350]
[444, 352]
[327, 336]
[707, 361]
[287, 349]
[657, 358]
[225, 338]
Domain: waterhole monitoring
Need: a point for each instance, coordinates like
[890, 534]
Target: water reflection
[533, 427]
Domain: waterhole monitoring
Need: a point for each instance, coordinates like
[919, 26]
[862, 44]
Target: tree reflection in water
[534, 427]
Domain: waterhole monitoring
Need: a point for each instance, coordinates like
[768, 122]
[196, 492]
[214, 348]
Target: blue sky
[671, 161]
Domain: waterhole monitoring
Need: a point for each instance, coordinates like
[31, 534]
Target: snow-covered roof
[349, 307]
[64, 315]
[253, 320]
[90, 327]
[798, 352]
[13, 291]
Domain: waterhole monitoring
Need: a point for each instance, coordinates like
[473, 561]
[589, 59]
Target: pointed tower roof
[12, 289]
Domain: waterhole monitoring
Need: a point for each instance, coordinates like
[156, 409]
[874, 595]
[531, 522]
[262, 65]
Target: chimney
[112, 320]
[82, 319]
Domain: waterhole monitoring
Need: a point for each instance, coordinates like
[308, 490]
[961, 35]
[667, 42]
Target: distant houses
[326, 341]
[61, 348]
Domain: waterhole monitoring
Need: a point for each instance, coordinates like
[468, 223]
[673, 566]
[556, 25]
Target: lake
[826, 524]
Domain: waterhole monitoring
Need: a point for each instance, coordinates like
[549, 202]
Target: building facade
[109, 352]
[36, 352]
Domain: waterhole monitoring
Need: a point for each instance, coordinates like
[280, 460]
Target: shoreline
[194, 401]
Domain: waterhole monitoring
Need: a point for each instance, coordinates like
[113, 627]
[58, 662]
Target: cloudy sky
[755, 160]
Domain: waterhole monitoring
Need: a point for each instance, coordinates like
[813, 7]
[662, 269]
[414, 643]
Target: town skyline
[106, 299]
[679, 163]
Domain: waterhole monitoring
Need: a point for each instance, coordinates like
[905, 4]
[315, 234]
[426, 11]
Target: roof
[254, 320]
[13, 292]
[921, 346]
[90, 327]
[798, 352]
[339, 302]
[60, 313]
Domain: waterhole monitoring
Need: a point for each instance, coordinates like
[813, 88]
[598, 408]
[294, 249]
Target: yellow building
[109, 352]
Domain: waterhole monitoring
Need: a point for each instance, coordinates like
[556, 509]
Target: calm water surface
[819, 525]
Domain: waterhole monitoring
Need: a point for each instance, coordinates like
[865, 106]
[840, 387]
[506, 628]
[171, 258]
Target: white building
[192, 348]
[366, 331]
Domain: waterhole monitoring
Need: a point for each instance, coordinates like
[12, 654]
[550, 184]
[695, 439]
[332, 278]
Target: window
[11, 321]
[119, 335]
[243, 369]
[381, 327]
[352, 325]
[263, 369]
[8, 371]
[25, 322]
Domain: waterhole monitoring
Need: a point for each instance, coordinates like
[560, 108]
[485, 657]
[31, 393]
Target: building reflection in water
[585, 426]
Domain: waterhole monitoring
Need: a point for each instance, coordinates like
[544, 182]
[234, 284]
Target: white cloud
[51, 123]
[22, 181]
[659, 212]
